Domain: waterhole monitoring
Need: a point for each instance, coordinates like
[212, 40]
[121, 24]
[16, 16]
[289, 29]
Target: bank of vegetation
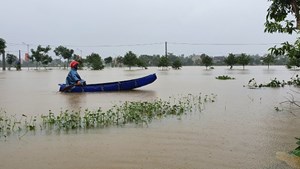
[129, 112]
[45, 56]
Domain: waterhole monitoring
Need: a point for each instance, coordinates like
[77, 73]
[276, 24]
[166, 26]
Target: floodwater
[240, 130]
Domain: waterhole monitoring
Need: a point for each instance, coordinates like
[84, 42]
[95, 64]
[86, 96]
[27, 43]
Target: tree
[130, 59]
[147, 59]
[206, 60]
[292, 62]
[268, 59]
[64, 52]
[94, 60]
[141, 63]
[2, 51]
[279, 20]
[46, 60]
[243, 59]
[79, 60]
[163, 62]
[230, 60]
[177, 64]
[118, 62]
[108, 60]
[10, 59]
[40, 55]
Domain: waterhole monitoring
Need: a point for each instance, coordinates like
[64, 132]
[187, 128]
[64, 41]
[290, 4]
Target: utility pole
[3, 60]
[166, 49]
[19, 63]
[27, 55]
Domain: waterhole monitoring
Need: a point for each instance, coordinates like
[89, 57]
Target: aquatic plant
[294, 81]
[296, 151]
[275, 83]
[10, 124]
[136, 112]
[225, 77]
[277, 109]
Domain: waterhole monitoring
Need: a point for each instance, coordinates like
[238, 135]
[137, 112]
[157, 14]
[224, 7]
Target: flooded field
[241, 129]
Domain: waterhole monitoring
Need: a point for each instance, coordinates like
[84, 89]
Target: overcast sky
[114, 27]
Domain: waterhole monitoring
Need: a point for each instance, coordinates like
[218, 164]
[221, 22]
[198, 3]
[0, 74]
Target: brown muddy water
[241, 129]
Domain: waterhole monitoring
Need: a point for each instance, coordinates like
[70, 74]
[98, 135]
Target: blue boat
[111, 86]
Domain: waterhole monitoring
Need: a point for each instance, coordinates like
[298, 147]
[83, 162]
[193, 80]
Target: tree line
[40, 57]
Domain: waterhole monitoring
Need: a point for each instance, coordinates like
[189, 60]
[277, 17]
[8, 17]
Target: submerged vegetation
[275, 83]
[297, 150]
[225, 77]
[140, 112]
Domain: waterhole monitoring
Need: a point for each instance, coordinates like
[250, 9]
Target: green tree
[283, 17]
[206, 60]
[94, 60]
[40, 55]
[278, 17]
[293, 62]
[118, 61]
[268, 59]
[230, 60]
[164, 62]
[108, 60]
[64, 52]
[147, 59]
[155, 60]
[10, 59]
[46, 60]
[243, 59]
[141, 63]
[177, 64]
[130, 59]
[79, 60]
[150, 60]
[2, 51]
[279, 20]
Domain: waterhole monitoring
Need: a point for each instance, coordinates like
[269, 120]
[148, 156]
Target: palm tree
[2, 51]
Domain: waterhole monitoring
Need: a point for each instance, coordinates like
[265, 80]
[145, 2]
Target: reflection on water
[291, 160]
[80, 100]
[75, 100]
[240, 130]
[207, 72]
[269, 71]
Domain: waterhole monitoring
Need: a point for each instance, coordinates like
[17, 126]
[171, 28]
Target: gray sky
[114, 27]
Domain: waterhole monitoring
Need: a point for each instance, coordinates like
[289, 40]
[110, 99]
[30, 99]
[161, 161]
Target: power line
[223, 44]
[93, 46]
[152, 44]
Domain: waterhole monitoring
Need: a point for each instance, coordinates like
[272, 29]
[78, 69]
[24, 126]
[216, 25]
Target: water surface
[240, 130]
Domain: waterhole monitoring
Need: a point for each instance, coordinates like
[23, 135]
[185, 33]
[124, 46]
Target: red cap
[73, 64]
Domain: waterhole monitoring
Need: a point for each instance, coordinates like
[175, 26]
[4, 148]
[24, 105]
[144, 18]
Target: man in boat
[73, 77]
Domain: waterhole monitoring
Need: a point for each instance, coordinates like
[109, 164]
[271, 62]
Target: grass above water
[225, 77]
[138, 112]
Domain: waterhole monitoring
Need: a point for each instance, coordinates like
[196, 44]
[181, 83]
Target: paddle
[82, 83]
[67, 88]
